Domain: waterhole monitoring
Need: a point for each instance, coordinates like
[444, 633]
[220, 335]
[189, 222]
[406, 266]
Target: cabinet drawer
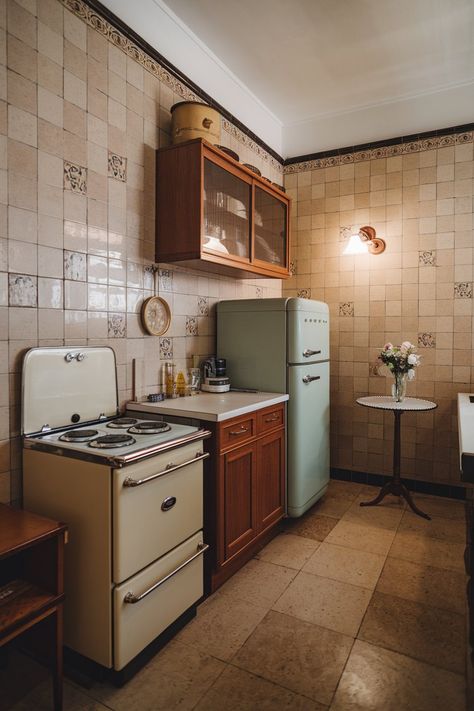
[270, 419]
[237, 431]
[155, 516]
[167, 588]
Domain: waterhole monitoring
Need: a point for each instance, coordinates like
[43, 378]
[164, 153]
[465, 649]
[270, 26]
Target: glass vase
[399, 387]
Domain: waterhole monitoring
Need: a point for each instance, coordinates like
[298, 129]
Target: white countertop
[212, 407]
[466, 436]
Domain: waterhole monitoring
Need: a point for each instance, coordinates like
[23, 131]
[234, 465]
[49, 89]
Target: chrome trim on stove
[132, 598]
[79, 356]
[129, 482]
[149, 427]
[100, 457]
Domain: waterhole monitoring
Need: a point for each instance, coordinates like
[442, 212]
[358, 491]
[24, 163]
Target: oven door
[157, 504]
[151, 600]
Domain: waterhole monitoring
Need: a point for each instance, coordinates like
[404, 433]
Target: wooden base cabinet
[245, 489]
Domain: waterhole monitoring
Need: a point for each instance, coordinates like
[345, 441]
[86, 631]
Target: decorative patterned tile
[259, 292]
[293, 267]
[427, 258]
[346, 308]
[304, 293]
[166, 348]
[75, 178]
[75, 266]
[191, 326]
[117, 167]
[117, 326]
[427, 340]
[463, 290]
[22, 290]
[203, 306]
[345, 233]
[149, 277]
[374, 369]
[166, 280]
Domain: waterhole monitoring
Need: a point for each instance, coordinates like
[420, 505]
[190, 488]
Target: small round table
[410, 404]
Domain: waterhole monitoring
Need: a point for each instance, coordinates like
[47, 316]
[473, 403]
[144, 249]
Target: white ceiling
[333, 73]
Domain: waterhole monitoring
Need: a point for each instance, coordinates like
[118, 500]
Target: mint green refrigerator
[282, 345]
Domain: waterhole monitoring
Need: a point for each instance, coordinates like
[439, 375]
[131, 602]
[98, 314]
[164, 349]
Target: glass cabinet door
[226, 208]
[270, 225]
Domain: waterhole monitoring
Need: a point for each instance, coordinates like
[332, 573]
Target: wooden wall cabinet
[245, 488]
[212, 213]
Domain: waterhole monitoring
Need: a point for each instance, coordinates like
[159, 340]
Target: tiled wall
[418, 196]
[81, 114]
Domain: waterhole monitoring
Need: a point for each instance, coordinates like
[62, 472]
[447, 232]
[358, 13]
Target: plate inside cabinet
[155, 315]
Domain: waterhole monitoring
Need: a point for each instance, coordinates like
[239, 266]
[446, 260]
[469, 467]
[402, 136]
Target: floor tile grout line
[227, 664]
[276, 683]
[408, 599]
[342, 673]
[408, 656]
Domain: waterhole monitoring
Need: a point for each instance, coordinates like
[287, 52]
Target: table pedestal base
[397, 488]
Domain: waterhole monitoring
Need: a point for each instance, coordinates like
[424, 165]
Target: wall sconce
[365, 241]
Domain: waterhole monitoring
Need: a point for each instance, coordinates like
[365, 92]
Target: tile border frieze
[398, 149]
[93, 18]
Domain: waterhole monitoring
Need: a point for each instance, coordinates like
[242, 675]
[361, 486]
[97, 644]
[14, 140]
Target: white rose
[411, 374]
[412, 359]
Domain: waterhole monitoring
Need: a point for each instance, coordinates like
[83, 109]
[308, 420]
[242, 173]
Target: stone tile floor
[346, 609]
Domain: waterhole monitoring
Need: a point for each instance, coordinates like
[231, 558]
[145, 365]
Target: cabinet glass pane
[226, 212]
[270, 228]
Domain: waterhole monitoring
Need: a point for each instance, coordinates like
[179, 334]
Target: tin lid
[65, 386]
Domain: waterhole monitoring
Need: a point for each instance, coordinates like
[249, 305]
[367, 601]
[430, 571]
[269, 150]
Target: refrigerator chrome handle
[309, 378]
[308, 352]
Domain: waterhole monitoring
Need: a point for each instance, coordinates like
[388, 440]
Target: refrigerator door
[308, 331]
[308, 435]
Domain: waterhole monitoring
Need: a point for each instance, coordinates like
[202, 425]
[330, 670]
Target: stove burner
[122, 423]
[78, 435]
[112, 440]
[150, 427]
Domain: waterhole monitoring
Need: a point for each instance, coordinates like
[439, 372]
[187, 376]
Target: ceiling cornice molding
[99, 17]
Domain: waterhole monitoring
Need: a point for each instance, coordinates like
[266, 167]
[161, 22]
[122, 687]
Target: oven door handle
[129, 482]
[131, 598]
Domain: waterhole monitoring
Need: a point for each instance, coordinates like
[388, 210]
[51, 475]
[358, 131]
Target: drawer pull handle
[273, 418]
[129, 482]
[309, 378]
[308, 352]
[242, 430]
[131, 598]
[168, 503]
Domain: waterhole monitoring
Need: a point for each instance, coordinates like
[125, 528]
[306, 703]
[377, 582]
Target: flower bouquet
[401, 362]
